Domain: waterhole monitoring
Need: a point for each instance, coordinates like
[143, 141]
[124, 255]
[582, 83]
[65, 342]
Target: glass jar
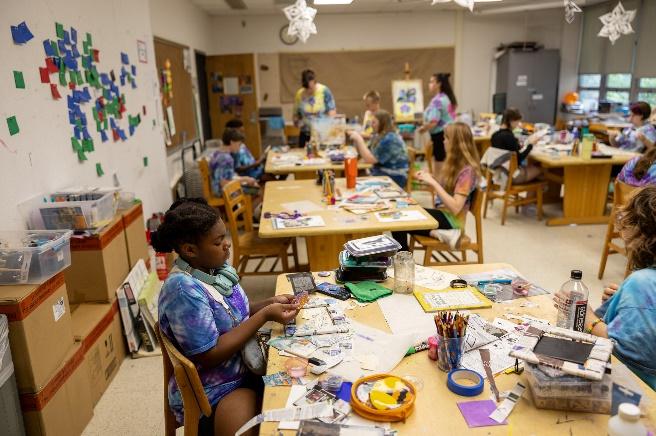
[404, 272]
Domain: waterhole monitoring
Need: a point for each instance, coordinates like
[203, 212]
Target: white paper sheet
[304, 206]
[399, 215]
[404, 315]
[231, 85]
[295, 393]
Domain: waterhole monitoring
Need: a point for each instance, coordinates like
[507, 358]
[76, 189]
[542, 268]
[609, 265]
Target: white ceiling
[263, 7]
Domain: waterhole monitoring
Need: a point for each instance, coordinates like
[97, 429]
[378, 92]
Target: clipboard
[452, 299]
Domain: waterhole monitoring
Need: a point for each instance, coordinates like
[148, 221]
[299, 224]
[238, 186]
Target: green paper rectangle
[55, 48]
[105, 124]
[80, 79]
[99, 170]
[62, 78]
[89, 41]
[145, 161]
[12, 124]
[81, 156]
[75, 144]
[72, 76]
[98, 126]
[59, 29]
[19, 80]
[87, 145]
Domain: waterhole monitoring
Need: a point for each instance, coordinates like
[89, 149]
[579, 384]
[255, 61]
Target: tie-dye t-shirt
[628, 139]
[466, 183]
[439, 110]
[630, 315]
[313, 106]
[243, 158]
[193, 320]
[222, 168]
[392, 158]
[627, 176]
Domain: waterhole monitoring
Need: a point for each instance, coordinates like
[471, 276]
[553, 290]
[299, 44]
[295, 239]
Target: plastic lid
[629, 411]
[576, 274]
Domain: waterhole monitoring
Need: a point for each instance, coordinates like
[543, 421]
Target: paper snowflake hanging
[571, 9]
[301, 20]
[617, 23]
[469, 4]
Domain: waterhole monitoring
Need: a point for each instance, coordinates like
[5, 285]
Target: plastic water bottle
[575, 305]
[626, 422]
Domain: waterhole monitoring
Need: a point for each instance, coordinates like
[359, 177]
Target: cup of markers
[451, 331]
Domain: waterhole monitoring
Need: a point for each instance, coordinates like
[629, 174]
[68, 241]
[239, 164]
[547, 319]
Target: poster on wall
[245, 84]
[142, 52]
[231, 85]
[408, 99]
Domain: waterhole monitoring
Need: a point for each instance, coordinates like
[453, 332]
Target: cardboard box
[40, 333]
[135, 234]
[98, 265]
[97, 327]
[63, 406]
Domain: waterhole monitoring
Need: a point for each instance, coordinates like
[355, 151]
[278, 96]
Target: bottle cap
[576, 274]
[629, 411]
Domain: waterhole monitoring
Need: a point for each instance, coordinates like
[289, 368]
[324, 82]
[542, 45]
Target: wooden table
[305, 171]
[585, 184]
[325, 243]
[482, 144]
[436, 412]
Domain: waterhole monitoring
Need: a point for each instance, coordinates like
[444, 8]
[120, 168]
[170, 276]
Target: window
[589, 85]
[647, 90]
[618, 88]
[618, 81]
[590, 80]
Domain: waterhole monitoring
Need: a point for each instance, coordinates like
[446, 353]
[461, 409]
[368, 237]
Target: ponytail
[644, 163]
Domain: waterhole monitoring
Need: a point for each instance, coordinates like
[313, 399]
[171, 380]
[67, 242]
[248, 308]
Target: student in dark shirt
[505, 139]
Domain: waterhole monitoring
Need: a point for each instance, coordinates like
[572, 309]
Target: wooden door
[232, 94]
[181, 99]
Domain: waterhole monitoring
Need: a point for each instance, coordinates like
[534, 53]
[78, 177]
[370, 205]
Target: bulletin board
[182, 99]
[350, 74]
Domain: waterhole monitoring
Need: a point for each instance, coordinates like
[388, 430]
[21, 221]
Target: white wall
[44, 159]
[475, 38]
[182, 22]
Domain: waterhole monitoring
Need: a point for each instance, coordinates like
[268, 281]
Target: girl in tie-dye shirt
[440, 112]
[206, 314]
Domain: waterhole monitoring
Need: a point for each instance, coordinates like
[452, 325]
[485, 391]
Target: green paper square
[99, 170]
[12, 124]
[81, 156]
[75, 144]
[89, 41]
[18, 78]
[73, 76]
[145, 161]
[80, 79]
[87, 145]
[59, 29]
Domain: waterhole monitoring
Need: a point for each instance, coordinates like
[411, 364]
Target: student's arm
[364, 151]
[454, 203]
[329, 101]
[259, 305]
[521, 155]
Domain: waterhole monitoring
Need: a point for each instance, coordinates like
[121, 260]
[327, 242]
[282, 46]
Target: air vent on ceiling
[236, 4]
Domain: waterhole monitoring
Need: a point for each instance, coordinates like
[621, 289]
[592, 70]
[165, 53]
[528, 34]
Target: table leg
[323, 251]
[586, 190]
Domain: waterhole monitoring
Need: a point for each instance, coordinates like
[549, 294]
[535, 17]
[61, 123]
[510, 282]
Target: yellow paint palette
[386, 398]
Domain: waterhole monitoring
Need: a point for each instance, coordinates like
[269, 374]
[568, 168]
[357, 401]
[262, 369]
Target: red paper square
[45, 76]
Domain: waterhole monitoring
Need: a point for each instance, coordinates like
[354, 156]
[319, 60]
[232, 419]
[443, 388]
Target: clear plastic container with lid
[33, 256]
[626, 422]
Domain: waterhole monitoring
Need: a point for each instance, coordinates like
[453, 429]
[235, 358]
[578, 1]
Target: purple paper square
[476, 413]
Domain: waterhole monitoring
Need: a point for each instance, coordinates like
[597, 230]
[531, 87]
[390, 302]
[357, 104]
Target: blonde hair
[385, 125]
[462, 152]
[372, 95]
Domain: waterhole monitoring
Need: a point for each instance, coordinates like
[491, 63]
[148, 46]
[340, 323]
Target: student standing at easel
[440, 111]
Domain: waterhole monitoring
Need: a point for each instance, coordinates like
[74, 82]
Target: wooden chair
[246, 244]
[414, 184]
[511, 195]
[212, 199]
[194, 400]
[621, 196]
[439, 253]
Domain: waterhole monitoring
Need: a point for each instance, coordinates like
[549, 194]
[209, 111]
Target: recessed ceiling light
[333, 2]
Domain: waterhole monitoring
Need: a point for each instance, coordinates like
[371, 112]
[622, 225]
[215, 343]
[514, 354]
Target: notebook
[452, 299]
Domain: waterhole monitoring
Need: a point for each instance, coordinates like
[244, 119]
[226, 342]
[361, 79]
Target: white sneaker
[449, 236]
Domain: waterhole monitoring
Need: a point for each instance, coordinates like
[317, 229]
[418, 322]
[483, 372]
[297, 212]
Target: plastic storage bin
[33, 256]
[567, 392]
[11, 418]
[71, 210]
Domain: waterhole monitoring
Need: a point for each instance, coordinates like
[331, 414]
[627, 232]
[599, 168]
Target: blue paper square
[103, 136]
[124, 58]
[47, 48]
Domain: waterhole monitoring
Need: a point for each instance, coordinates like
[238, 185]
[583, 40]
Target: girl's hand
[283, 299]
[422, 128]
[250, 181]
[425, 177]
[355, 136]
[281, 313]
[609, 291]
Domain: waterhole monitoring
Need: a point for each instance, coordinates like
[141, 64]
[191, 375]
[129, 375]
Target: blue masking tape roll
[466, 390]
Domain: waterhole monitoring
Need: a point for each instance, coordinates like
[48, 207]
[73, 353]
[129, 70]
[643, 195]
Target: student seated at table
[245, 163]
[387, 150]
[505, 139]
[458, 181]
[222, 168]
[205, 312]
[641, 135]
[628, 313]
[372, 105]
[641, 170]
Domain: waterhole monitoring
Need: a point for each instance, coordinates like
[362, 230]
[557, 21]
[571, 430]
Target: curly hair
[186, 221]
[638, 226]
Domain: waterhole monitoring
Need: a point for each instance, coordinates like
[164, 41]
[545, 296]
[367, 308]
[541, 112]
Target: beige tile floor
[133, 403]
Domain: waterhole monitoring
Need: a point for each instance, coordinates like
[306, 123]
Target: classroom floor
[133, 403]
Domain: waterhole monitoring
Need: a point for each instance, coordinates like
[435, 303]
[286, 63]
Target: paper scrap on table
[12, 125]
[21, 33]
[499, 358]
[430, 278]
[476, 413]
[281, 378]
[295, 393]
[503, 410]
[400, 215]
[304, 206]
[319, 410]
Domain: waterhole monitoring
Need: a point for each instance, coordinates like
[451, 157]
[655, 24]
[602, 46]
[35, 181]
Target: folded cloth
[366, 292]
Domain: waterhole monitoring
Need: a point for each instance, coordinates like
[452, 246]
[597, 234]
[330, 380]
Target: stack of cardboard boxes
[65, 356]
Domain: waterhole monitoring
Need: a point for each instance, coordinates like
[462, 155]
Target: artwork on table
[408, 99]
[329, 130]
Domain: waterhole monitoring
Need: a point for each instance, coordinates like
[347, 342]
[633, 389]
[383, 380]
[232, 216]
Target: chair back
[512, 167]
[194, 398]
[204, 167]
[412, 158]
[623, 193]
[476, 210]
[238, 209]
[170, 423]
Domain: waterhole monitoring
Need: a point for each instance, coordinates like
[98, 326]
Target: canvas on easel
[408, 99]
